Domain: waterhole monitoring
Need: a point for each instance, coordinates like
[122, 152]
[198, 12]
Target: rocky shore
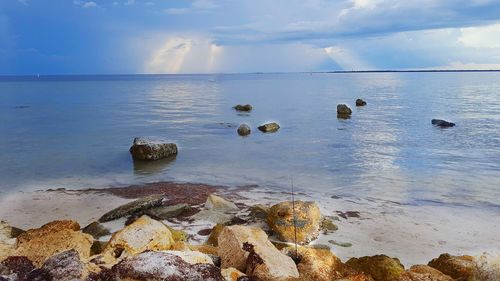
[199, 232]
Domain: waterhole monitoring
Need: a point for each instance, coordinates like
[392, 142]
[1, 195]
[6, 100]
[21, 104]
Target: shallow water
[75, 132]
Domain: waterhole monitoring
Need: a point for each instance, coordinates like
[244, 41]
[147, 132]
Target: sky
[239, 36]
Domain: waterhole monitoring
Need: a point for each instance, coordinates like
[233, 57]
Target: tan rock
[144, 234]
[248, 250]
[191, 257]
[380, 267]
[424, 273]
[7, 241]
[307, 221]
[51, 239]
[231, 274]
[214, 234]
[461, 268]
[316, 264]
[218, 203]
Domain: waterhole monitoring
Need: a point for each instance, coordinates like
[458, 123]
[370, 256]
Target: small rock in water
[341, 244]
[149, 150]
[269, 127]
[245, 107]
[328, 226]
[343, 111]
[360, 102]
[244, 130]
[442, 123]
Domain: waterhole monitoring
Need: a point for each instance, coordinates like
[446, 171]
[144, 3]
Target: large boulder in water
[306, 226]
[149, 150]
[442, 123]
[245, 107]
[248, 250]
[269, 127]
[460, 268]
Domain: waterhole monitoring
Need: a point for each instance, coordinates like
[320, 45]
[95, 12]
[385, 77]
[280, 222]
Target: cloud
[481, 36]
[85, 4]
[176, 11]
[347, 59]
[204, 4]
[24, 2]
[129, 3]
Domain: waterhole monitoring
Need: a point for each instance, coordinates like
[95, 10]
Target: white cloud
[204, 4]
[176, 11]
[129, 2]
[347, 59]
[85, 4]
[481, 36]
[24, 2]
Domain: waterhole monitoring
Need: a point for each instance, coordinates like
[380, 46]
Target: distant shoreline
[7, 76]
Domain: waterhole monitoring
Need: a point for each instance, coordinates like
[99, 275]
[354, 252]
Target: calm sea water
[75, 132]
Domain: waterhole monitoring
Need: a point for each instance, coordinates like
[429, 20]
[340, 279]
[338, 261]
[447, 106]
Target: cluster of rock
[344, 111]
[148, 249]
[245, 130]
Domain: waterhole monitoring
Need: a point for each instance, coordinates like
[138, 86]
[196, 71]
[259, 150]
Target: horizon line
[257, 72]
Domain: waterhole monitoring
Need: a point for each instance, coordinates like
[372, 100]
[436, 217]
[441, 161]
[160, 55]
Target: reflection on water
[76, 131]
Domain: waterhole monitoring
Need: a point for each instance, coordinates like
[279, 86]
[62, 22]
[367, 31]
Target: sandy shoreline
[414, 234]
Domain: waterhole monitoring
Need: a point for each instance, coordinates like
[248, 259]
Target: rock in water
[162, 266]
[269, 127]
[52, 238]
[142, 235]
[248, 250]
[460, 268]
[380, 267]
[442, 123]
[244, 130]
[343, 111]
[245, 107]
[166, 212]
[307, 221]
[145, 149]
[360, 102]
[133, 207]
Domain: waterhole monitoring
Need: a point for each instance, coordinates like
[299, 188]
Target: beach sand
[414, 234]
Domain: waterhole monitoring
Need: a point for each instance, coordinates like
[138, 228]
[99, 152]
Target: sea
[75, 131]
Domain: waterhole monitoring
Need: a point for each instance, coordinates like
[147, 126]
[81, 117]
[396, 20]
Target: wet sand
[414, 234]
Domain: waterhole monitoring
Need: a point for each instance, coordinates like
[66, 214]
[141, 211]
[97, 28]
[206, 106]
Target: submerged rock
[461, 268]
[144, 234]
[53, 238]
[307, 221]
[248, 250]
[269, 127]
[442, 123]
[343, 111]
[245, 107]
[380, 267]
[96, 230]
[136, 206]
[163, 266]
[244, 130]
[145, 149]
[360, 102]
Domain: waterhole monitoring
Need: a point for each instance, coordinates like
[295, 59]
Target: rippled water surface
[75, 131]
